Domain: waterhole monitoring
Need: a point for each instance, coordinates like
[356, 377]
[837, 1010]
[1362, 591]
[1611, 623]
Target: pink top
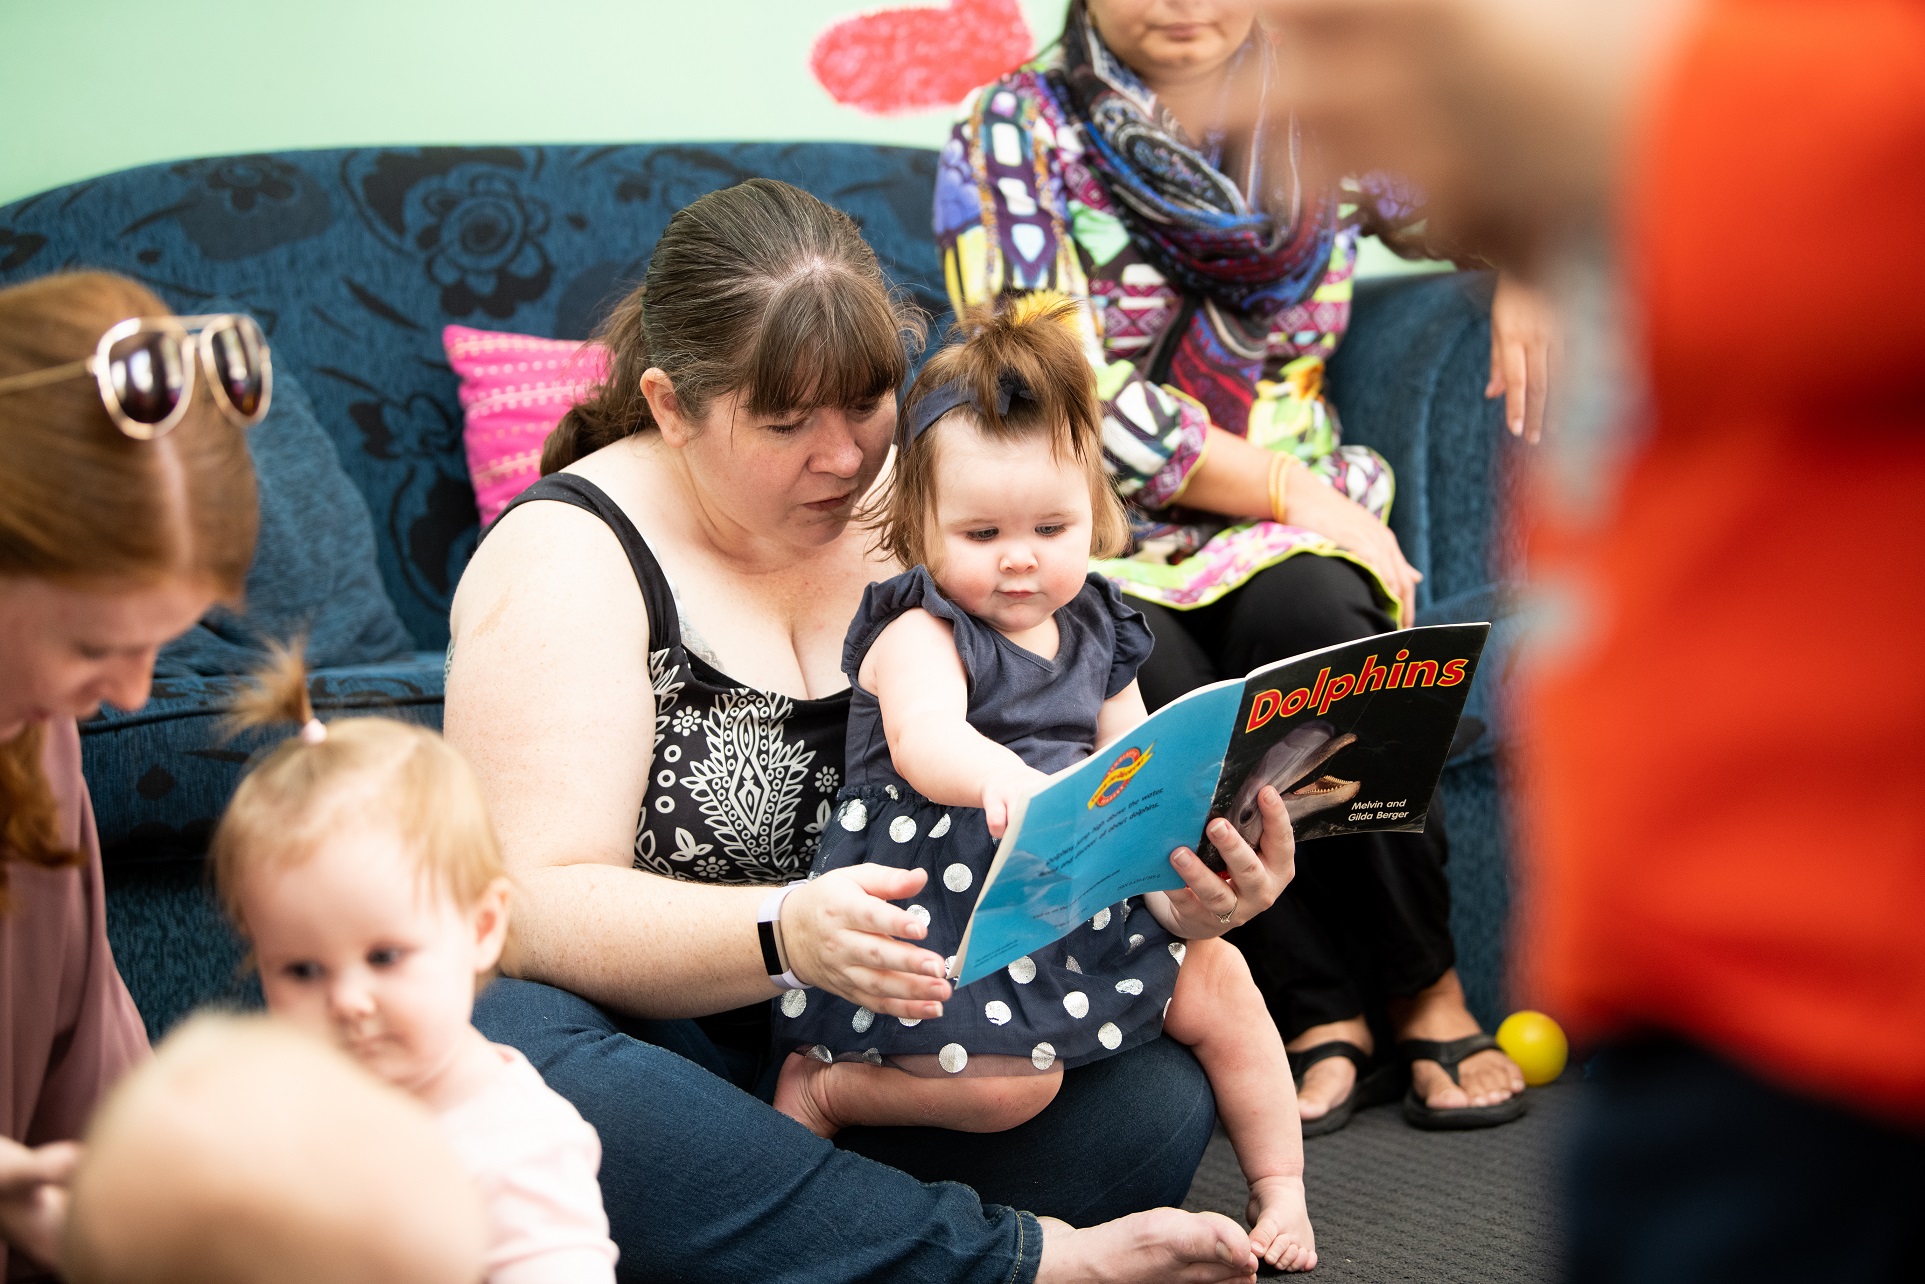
[535, 1159]
[68, 1027]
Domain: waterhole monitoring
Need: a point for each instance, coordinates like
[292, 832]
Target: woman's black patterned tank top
[742, 781]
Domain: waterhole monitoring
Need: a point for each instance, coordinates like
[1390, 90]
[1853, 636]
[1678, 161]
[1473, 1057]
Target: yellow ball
[1536, 1043]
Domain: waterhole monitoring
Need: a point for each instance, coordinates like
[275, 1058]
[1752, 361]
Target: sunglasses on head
[144, 368]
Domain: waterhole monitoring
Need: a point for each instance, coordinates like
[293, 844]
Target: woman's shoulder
[546, 569]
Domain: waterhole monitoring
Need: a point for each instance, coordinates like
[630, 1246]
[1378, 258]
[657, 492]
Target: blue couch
[354, 260]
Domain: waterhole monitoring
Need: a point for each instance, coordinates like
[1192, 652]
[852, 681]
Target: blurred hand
[1523, 338]
[33, 1196]
[1314, 506]
[841, 933]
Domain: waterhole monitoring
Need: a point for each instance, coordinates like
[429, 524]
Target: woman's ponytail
[616, 407]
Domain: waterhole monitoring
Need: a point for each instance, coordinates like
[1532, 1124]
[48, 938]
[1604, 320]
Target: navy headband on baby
[951, 395]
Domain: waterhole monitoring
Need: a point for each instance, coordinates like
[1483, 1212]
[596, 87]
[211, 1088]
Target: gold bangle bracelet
[1279, 486]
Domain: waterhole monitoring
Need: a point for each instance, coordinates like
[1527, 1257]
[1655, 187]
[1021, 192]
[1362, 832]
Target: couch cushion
[161, 776]
[514, 390]
[314, 574]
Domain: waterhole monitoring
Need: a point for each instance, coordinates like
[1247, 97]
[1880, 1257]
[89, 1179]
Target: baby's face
[355, 945]
[1013, 525]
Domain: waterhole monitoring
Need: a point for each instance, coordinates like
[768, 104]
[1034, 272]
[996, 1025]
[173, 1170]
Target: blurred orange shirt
[1725, 824]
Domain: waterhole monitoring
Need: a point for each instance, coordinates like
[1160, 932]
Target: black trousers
[1686, 1167]
[1368, 915]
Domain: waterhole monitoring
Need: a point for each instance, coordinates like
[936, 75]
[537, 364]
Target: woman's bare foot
[799, 1095]
[1439, 1013]
[1161, 1246]
[1280, 1224]
[1330, 1080]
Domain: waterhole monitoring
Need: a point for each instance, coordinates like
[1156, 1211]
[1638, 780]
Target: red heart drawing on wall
[896, 60]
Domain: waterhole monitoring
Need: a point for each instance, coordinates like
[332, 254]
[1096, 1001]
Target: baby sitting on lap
[997, 659]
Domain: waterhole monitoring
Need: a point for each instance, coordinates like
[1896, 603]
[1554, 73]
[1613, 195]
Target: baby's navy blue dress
[1099, 990]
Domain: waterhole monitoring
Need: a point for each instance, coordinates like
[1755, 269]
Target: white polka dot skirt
[1099, 991]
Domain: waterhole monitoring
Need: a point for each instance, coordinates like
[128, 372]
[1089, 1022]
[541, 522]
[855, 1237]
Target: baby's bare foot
[1161, 1246]
[799, 1094]
[1280, 1224]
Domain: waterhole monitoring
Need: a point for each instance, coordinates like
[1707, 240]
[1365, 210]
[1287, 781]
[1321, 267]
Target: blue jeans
[704, 1181]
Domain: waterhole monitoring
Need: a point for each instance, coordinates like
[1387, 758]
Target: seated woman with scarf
[1218, 280]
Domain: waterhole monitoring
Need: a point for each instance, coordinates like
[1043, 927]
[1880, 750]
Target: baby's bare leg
[1219, 1014]
[828, 1098]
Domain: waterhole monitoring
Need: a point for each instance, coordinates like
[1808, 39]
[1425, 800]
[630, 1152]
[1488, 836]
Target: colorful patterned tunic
[1017, 209]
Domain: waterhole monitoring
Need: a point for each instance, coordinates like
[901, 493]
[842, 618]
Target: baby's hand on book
[1004, 789]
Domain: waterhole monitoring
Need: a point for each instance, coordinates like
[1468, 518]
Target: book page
[1066, 853]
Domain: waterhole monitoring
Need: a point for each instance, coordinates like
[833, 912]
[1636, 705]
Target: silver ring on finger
[1225, 916]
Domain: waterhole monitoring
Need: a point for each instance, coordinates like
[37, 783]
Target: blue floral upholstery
[354, 260]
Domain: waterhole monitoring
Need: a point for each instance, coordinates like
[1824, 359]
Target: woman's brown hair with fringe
[758, 288]
[357, 771]
[80, 502]
[1025, 341]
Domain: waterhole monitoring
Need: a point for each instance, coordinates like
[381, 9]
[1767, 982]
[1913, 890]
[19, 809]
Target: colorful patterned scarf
[1252, 248]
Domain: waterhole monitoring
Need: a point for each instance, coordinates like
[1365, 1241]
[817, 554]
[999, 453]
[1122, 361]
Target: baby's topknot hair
[1031, 340]
[363, 770]
[1032, 343]
[276, 692]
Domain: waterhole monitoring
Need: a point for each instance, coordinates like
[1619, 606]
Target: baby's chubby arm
[918, 679]
[1119, 714]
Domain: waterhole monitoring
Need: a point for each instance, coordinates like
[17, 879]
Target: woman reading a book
[646, 673]
[1115, 168]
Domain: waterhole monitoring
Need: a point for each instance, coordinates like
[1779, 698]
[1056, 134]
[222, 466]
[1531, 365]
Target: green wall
[91, 86]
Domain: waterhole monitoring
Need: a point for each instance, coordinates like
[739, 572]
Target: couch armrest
[1408, 380]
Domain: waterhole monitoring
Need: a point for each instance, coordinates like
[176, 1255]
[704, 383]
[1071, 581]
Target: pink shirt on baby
[535, 1159]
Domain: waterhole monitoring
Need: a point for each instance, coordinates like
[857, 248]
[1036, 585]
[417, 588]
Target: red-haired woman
[127, 508]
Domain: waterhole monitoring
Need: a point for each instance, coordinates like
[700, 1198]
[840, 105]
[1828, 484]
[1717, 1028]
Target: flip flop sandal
[1366, 1091]
[1450, 1054]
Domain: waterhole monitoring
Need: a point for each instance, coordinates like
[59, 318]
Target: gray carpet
[1391, 1203]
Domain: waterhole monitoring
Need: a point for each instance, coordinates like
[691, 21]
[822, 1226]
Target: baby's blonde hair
[1031, 342]
[360, 769]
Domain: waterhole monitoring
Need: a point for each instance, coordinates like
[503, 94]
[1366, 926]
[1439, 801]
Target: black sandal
[1450, 1054]
[1366, 1091]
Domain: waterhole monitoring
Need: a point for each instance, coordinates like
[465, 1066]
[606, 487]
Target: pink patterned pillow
[514, 390]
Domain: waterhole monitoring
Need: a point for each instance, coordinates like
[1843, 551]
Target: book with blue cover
[1353, 736]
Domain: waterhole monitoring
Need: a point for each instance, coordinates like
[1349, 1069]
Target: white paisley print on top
[740, 779]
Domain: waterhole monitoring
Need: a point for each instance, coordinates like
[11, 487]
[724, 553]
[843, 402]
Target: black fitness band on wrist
[771, 957]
